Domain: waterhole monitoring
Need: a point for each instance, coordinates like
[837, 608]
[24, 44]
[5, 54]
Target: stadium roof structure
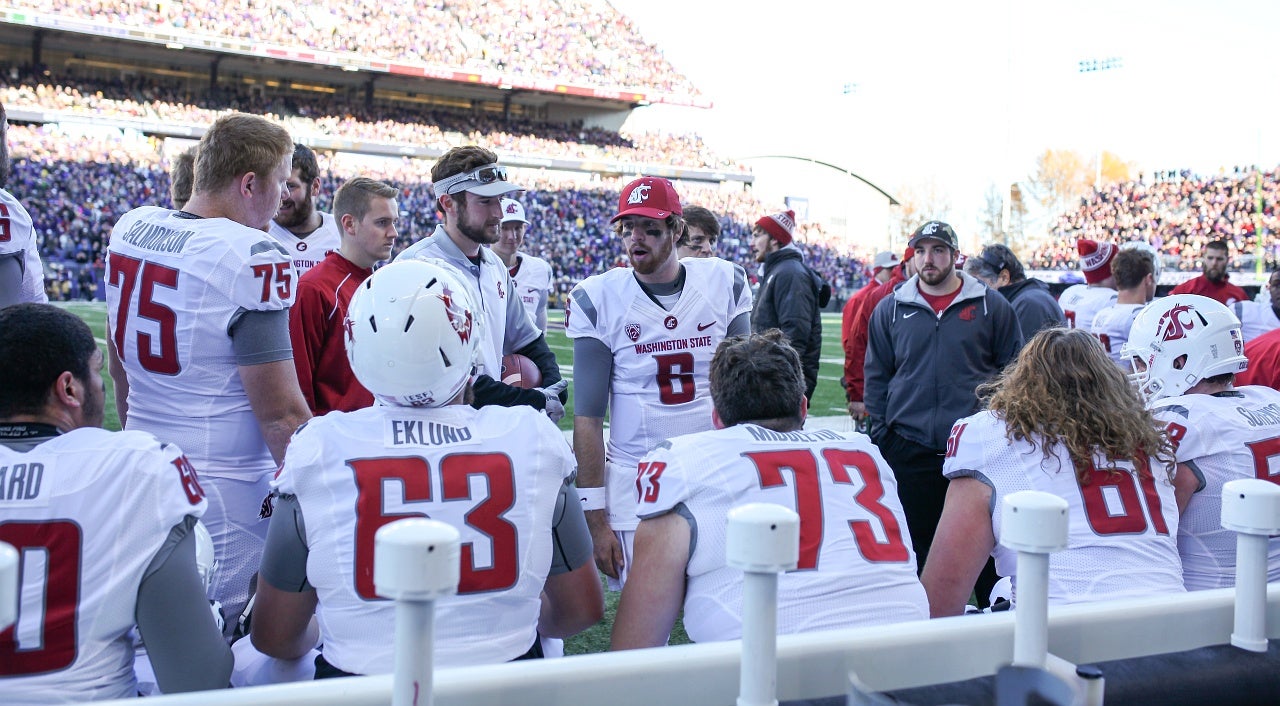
[195, 60]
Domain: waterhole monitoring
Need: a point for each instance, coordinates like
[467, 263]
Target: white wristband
[592, 498]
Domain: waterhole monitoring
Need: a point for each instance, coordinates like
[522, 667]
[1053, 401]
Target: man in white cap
[469, 185]
[531, 274]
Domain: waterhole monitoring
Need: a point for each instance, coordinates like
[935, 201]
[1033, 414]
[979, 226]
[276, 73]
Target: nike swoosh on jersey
[907, 316]
[704, 327]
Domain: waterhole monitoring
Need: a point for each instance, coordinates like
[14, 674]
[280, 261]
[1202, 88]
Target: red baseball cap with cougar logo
[651, 197]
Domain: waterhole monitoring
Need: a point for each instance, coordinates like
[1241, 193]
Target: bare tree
[918, 202]
[991, 218]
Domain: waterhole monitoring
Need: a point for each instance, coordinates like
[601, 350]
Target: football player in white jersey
[1081, 302]
[1263, 314]
[21, 272]
[1061, 419]
[1135, 274]
[1187, 350]
[530, 275]
[182, 175]
[307, 233]
[856, 564]
[469, 185]
[104, 523]
[198, 321]
[642, 344]
[501, 475]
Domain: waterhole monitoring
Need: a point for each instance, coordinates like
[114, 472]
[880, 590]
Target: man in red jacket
[367, 213]
[883, 267]
[855, 351]
[1213, 283]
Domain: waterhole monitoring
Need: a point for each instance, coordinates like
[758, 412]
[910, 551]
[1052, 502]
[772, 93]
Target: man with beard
[788, 292]
[469, 186]
[305, 232]
[1213, 283]
[931, 343]
[21, 273]
[643, 338]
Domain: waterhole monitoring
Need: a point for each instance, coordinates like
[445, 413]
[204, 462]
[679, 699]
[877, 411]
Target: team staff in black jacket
[788, 297]
[940, 335]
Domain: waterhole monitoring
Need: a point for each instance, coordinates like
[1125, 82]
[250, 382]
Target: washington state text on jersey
[152, 236]
[676, 344]
[415, 432]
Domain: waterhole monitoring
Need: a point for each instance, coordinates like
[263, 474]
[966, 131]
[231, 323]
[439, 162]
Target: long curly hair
[1064, 389]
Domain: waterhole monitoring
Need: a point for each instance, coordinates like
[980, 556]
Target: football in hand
[519, 371]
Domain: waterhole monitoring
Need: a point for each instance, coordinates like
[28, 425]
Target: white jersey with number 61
[1123, 523]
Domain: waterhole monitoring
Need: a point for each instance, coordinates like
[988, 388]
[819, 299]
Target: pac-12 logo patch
[670, 322]
[632, 331]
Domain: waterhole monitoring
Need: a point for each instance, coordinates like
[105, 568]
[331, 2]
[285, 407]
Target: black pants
[923, 490]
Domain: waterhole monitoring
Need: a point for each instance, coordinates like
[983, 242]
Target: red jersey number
[803, 466]
[1138, 500]
[59, 541]
[280, 274]
[156, 353]
[6, 227]
[1263, 451]
[414, 476]
[675, 378]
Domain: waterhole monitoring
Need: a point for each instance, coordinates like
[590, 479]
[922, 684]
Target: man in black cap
[940, 335]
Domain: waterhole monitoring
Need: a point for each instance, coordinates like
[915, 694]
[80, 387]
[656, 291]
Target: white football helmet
[1180, 340]
[1148, 248]
[412, 334]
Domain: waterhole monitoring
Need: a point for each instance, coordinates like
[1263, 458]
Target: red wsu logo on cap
[511, 207]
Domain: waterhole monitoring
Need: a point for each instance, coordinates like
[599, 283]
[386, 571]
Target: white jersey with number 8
[661, 359]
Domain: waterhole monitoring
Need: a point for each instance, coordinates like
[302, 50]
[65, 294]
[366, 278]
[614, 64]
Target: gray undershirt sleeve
[260, 336]
[740, 326]
[10, 279]
[184, 644]
[570, 539]
[592, 371]
[284, 557]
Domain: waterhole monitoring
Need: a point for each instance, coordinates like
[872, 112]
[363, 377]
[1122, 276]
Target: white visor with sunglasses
[488, 180]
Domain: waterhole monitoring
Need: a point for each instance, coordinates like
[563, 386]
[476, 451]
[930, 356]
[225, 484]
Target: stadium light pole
[1088, 66]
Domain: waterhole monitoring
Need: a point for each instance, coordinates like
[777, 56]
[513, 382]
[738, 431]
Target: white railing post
[9, 558]
[1034, 524]
[763, 540]
[415, 561]
[1251, 508]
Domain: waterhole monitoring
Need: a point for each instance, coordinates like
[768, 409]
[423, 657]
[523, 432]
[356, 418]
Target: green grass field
[828, 400]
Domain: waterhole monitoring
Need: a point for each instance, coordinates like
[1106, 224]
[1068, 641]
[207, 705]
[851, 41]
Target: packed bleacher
[76, 187]
[1177, 212]
[319, 115]
[573, 41]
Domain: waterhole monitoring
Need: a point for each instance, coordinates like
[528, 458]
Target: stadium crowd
[1178, 213]
[76, 188]
[318, 115]
[572, 41]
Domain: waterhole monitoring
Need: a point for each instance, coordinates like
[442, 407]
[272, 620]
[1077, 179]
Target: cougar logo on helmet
[459, 317]
[640, 194]
[1175, 323]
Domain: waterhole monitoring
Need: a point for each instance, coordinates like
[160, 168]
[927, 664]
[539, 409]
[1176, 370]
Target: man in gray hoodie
[940, 335]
